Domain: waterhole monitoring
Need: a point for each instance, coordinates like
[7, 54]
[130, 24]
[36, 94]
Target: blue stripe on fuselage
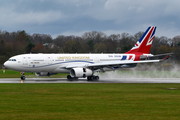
[124, 57]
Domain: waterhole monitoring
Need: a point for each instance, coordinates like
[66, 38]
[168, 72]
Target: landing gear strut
[93, 78]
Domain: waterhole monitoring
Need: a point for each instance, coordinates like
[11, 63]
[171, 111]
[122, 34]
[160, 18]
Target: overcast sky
[75, 17]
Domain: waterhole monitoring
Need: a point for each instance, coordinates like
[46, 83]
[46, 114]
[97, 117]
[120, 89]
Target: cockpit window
[12, 60]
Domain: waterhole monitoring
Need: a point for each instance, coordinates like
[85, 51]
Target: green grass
[16, 74]
[89, 101]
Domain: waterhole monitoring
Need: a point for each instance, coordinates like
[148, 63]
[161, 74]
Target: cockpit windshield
[12, 60]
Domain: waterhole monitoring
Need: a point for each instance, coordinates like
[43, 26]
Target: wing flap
[121, 63]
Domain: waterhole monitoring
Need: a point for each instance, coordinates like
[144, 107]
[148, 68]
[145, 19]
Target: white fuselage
[57, 63]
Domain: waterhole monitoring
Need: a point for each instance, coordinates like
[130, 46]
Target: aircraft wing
[110, 63]
[121, 63]
[114, 63]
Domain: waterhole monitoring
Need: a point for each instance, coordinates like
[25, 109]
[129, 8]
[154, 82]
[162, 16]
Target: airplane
[85, 65]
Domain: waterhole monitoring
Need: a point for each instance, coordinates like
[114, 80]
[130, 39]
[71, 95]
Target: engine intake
[80, 72]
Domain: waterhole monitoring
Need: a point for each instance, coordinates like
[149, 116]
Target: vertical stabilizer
[143, 45]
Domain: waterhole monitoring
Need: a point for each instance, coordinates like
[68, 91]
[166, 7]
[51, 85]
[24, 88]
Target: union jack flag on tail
[143, 45]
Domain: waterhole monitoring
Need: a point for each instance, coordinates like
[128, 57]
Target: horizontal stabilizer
[160, 56]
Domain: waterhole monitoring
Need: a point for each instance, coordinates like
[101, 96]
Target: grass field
[15, 74]
[90, 101]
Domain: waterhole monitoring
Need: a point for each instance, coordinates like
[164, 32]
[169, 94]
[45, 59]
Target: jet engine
[43, 74]
[80, 72]
[143, 57]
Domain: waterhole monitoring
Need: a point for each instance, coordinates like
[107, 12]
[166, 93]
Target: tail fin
[143, 45]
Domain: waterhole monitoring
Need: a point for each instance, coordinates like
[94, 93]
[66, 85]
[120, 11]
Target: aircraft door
[96, 60]
[25, 61]
[49, 60]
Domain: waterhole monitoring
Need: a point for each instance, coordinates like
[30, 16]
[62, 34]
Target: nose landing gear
[22, 76]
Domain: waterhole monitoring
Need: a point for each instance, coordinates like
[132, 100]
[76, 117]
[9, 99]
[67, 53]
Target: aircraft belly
[38, 68]
[61, 70]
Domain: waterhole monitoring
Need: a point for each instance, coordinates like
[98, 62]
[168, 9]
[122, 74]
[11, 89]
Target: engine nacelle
[140, 57]
[143, 57]
[42, 74]
[80, 72]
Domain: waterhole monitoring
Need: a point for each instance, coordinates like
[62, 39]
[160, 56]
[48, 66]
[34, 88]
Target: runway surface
[115, 80]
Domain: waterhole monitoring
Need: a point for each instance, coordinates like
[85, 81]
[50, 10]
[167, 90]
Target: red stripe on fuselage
[130, 57]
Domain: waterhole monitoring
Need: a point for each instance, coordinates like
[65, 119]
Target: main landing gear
[89, 78]
[93, 78]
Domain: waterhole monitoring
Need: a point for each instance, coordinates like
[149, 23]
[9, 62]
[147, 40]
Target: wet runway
[115, 80]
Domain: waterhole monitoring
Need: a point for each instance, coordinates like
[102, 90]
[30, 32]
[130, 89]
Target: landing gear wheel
[75, 78]
[88, 78]
[93, 78]
[23, 77]
[96, 78]
[72, 78]
[69, 77]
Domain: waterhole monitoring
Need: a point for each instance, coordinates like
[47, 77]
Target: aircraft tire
[75, 78]
[96, 78]
[93, 78]
[89, 78]
[69, 77]
[23, 77]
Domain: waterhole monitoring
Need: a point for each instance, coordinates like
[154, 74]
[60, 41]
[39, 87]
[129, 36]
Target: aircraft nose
[6, 64]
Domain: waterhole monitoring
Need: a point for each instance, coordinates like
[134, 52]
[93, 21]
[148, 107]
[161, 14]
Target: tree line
[20, 42]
